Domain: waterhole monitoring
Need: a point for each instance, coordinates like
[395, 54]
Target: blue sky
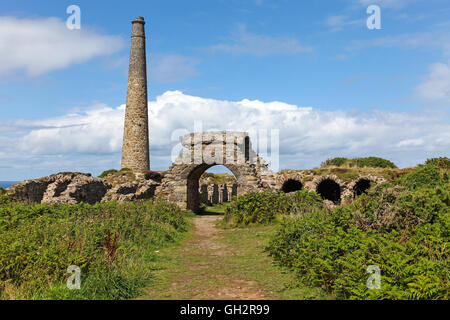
[313, 54]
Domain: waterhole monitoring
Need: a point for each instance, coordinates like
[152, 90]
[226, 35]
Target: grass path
[215, 263]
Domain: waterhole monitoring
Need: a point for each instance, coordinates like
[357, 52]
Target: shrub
[372, 162]
[334, 162]
[5, 199]
[263, 207]
[105, 173]
[442, 163]
[332, 249]
[111, 243]
[256, 208]
[425, 176]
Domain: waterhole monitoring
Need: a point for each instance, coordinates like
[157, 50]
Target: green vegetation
[113, 244]
[5, 199]
[226, 264]
[264, 207]
[332, 249]
[371, 162]
[402, 227]
[211, 210]
[127, 250]
[424, 176]
[442, 163]
[107, 172]
[111, 171]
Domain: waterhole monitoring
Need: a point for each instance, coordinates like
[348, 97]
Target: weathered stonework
[205, 150]
[67, 187]
[135, 149]
[213, 194]
[72, 188]
[131, 191]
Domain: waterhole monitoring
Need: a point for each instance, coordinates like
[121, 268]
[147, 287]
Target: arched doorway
[291, 185]
[204, 150]
[216, 192]
[329, 190]
[361, 186]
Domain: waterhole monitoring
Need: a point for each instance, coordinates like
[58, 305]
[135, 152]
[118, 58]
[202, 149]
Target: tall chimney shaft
[135, 148]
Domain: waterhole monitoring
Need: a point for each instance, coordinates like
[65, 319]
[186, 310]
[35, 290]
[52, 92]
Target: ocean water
[6, 184]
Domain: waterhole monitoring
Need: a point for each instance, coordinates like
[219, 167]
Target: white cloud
[244, 42]
[37, 46]
[171, 68]
[338, 22]
[410, 142]
[435, 89]
[91, 140]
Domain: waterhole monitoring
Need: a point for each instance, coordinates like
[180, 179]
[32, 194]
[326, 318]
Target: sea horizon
[7, 184]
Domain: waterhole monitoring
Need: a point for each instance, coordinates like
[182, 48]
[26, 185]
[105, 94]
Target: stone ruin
[205, 150]
[181, 183]
[216, 193]
[74, 187]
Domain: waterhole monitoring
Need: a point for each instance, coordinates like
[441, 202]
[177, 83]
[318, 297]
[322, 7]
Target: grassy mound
[113, 245]
[370, 162]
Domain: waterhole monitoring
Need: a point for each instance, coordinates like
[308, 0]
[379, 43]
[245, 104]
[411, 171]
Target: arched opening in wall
[291, 185]
[329, 190]
[209, 186]
[361, 186]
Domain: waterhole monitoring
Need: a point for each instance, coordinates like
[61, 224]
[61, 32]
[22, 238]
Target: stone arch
[204, 150]
[192, 181]
[361, 186]
[291, 185]
[357, 187]
[329, 188]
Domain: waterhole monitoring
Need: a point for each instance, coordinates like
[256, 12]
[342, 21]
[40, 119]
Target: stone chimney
[135, 148]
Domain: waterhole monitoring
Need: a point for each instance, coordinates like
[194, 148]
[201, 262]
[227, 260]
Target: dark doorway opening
[329, 190]
[291, 185]
[361, 187]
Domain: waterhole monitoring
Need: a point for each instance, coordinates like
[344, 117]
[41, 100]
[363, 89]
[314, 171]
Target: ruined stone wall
[205, 150]
[216, 194]
[180, 183]
[74, 187]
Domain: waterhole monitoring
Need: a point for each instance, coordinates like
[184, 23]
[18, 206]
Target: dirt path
[215, 263]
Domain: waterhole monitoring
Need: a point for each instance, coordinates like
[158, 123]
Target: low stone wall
[72, 188]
